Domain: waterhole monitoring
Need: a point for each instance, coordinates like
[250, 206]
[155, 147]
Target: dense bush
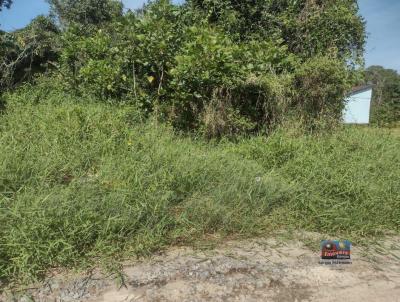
[319, 86]
[232, 91]
[309, 28]
[85, 12]
[130, 57]
[27, 52]
[218, 66]
[385, 109]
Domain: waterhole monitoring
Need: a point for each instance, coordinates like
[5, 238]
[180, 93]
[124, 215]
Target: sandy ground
[250, 270]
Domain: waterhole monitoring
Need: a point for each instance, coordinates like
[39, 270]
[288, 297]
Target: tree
[85, 12]
[220, 66]
[386, 96]
[5, 3]
[25, 51]
[308, 27]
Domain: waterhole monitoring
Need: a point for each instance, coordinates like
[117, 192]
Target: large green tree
[85, 12]
[26, 51]
[308, 27]
[386, 96]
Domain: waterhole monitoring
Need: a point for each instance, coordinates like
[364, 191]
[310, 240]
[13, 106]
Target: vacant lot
[81, 184]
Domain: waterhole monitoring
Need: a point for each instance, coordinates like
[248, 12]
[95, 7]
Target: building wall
[358, 107]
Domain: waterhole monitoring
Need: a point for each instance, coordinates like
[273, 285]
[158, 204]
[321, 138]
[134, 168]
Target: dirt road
[251, 270]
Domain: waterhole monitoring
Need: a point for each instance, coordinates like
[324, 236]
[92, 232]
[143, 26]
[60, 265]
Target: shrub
[197, 77]
[85, 12]
[385, 110]
[309, 28]
[26, 52]
[320, 85]
[206, 63]
[131, 56]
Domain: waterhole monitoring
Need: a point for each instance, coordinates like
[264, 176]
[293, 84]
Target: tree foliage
[308, 27]
[219, 66]
[26, 52]
[5, 3]
[386, 95]
[85, 12]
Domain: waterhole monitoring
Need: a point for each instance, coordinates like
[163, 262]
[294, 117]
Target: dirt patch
[251, 270]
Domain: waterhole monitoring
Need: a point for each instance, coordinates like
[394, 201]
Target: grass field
[84, 182]
[395, 131]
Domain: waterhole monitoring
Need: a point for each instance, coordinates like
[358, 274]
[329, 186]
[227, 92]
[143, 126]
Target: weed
[82, 182]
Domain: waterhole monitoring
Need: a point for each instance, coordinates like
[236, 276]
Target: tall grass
[81, 182]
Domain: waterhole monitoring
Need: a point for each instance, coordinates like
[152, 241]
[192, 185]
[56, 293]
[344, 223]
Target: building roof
[359, 89]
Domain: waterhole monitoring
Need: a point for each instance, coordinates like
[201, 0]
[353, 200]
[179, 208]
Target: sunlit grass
[80, 182]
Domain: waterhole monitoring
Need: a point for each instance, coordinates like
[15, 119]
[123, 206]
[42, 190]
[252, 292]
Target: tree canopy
[386, 96]
[5, 3]
[218, 66]
[85, 12]
[308, 27]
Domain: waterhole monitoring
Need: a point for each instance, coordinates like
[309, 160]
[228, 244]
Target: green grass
[81, 182]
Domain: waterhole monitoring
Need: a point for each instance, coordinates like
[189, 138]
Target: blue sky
[382, 16]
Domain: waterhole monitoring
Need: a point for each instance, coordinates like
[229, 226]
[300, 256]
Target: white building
[358, 105]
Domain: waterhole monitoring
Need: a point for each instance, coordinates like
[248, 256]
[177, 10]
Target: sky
[382, 16]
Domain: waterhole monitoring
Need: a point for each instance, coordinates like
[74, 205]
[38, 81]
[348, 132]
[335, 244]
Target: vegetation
[5, 3]
[386, 95]
[27, 52]
[254, 76]
[85, 12]
[308, 28]
[105, 114]
[83, 181]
